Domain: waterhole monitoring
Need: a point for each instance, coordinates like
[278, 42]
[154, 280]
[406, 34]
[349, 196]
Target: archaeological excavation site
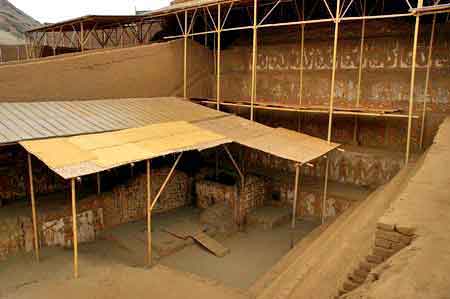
[229, 149]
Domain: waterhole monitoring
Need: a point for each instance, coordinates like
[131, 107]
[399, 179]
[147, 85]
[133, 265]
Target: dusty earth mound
[13, 24]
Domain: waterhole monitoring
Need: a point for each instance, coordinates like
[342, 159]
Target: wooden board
[212, 245]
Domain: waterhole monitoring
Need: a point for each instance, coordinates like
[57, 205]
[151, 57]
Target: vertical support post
[74, 229]
[360, 69]
[99, 184]
[302, 51]
[427, 81]
[255, 46]
[219, 33]
[413, 79]
[333, 73]
[325, 189]
[294, 203]
[185, 54]
[54, 42]
[82, 36]
[149, 216]
[33, 210]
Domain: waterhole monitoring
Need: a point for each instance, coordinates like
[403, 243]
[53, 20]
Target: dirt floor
[112, 267]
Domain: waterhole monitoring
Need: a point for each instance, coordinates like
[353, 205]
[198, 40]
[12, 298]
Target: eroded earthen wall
[144, 71]
[125, 203]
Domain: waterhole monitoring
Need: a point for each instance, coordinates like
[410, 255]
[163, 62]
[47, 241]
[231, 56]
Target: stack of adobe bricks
[210, 192]
[389, 239]
[253, 195]
[128, 202]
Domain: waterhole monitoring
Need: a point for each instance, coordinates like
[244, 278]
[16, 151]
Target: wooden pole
[294, 202]
[333, 73]
[33, 210]
[149, 216]
[413, 79]
[99, 184]
[82, 36]
[74, 229]
[360, 69]
[427, 81]
[219, 33]
[237, 210]
[325, 190]
[302, 51]
[166, 181]
[185, 55]
[254, 58]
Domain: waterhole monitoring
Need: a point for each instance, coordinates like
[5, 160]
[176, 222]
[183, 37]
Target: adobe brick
[404, 230]
[367, 266]
[374, 259]
[383, 243]
[350, 285]
[386, 226]
[383, 252]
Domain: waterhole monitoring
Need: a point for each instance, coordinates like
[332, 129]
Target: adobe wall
[145, 71]
[125, 203]
[385, 77]
[12, 53]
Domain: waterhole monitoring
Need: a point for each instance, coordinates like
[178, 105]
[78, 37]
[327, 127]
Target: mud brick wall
[310, 201]
[389, 239]
[358, 167]
[11, 237]
[128, 202]
[210, 192]
[14, 175]
[251, 196]
[55, 229]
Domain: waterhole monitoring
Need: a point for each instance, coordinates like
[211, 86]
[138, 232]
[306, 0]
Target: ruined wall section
[125, 203]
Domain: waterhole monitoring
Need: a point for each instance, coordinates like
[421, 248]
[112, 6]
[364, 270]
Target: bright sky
[52, 11]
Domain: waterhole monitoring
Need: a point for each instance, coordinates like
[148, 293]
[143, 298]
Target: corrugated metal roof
[37, 120]
[155, 127]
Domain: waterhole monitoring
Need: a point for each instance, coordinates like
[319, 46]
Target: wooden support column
[325, 189]
[149, 216]
[99, 184]
[360, 69]
[333, 73]
[426, 94]
[254, 58]
[185, 54]
[74, 229]
[82, 36]
[238, 216]
[33, 210]
[302, 54]
[219, 33]
[294, 202]
[413, 79]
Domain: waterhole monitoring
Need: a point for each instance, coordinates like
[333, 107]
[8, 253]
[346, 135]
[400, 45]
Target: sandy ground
[113, 268]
